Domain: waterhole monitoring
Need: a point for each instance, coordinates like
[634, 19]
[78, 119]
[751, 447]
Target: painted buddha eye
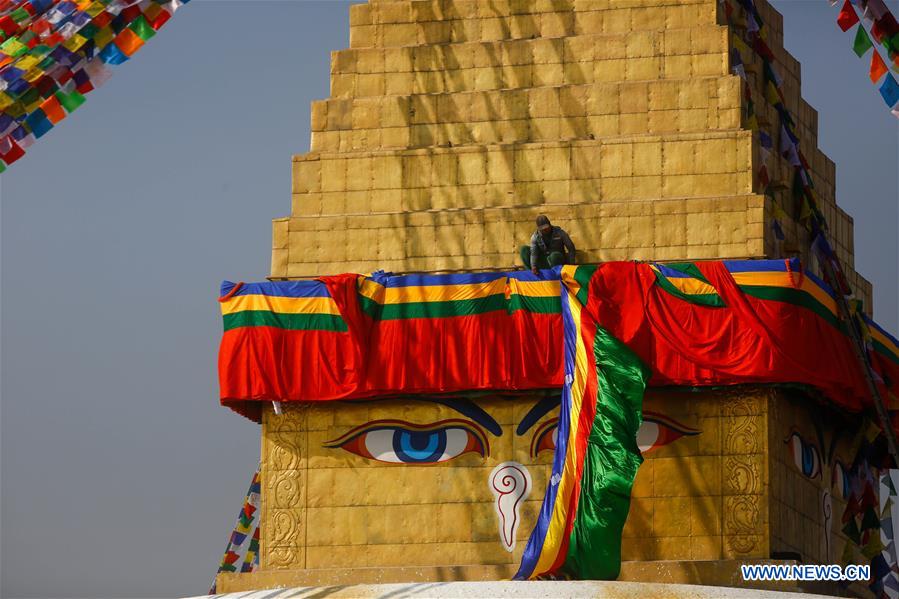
[398, 442]
[805, 455]
[658, 430]
[545, 437]
[839, 480]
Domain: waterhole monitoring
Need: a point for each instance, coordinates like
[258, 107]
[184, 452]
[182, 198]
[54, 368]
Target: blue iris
[808, 459]
[419, 446]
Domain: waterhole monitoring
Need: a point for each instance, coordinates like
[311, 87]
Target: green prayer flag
[870, 519]
[142, 28]
[13, 47]
[862, 42]
[851, 531]
[70, 101]
[19, 15]
[88, 31]
[2, 166]
[611, 461]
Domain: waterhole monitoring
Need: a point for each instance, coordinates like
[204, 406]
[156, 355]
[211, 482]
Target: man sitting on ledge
[550, 246]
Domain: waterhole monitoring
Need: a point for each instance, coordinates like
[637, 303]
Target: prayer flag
[70, 101]
[862, 42]
[889, 90]
[847, 17]
[53, 109]
[878, 68]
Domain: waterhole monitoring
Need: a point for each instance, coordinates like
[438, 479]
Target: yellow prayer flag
[33, 75]
[5, 101]
[741, 47]
[26, 62]
[779, 213]
[103, 37]
[75, 42]
[95, 8]
[34, 105]
[752, 123]
[771, 94]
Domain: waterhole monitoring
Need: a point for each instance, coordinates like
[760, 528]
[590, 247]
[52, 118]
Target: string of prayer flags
[247, 527]
[884, 31]
[54, 52]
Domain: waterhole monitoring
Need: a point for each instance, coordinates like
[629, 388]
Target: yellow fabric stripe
[883, 339]
[556, 530]
[691, 286]
[445, 293]
[283, 305]
[687, 285]
[571, 284]
[767, 278]
[535, 288]
[819, 294]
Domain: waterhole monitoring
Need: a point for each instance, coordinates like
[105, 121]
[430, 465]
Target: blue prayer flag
[889, 89]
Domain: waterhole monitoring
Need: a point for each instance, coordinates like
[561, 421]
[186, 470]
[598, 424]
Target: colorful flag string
[54, 52]
[753, 40]
[247, 527]
[885, 31]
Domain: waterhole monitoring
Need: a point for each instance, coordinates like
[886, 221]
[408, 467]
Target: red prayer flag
[847, 17]
[10, 150]
[878, 67]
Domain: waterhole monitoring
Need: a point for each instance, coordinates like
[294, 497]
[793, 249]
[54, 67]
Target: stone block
[472, 168]
[400, 34]
[616, 160]
[279, 263]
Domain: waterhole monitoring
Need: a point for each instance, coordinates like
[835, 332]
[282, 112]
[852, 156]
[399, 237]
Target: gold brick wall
[808, 499]
[452, 123]
[702, 492]
[743, 473]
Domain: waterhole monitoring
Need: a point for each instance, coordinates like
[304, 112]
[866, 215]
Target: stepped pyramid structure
[453, 123]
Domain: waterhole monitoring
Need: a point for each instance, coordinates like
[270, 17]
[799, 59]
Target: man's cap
[542, 221]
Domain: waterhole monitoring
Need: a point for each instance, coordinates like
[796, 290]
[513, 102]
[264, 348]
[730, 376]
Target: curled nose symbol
[510, 483]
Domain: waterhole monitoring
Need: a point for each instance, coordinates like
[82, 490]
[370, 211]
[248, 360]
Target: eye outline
[542, 431]
[356, 437]
[674, 430]
[845, 489]
[817, 463]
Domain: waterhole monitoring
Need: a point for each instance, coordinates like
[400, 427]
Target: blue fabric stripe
[279, 289]
[532, 551]
[761, 265]
[883, 331]
[391, 281]
[415, 280]
[821, 284]
[672, 273]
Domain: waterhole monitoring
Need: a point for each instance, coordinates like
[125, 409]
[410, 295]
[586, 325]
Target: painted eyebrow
[540, 409]
[468, 408]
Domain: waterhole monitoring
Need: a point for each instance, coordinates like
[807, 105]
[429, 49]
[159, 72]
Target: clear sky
[120, 474]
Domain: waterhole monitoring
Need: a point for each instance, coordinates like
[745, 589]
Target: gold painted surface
[451, 125]
[702, 492]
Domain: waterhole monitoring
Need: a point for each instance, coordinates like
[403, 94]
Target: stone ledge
[714, 573]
